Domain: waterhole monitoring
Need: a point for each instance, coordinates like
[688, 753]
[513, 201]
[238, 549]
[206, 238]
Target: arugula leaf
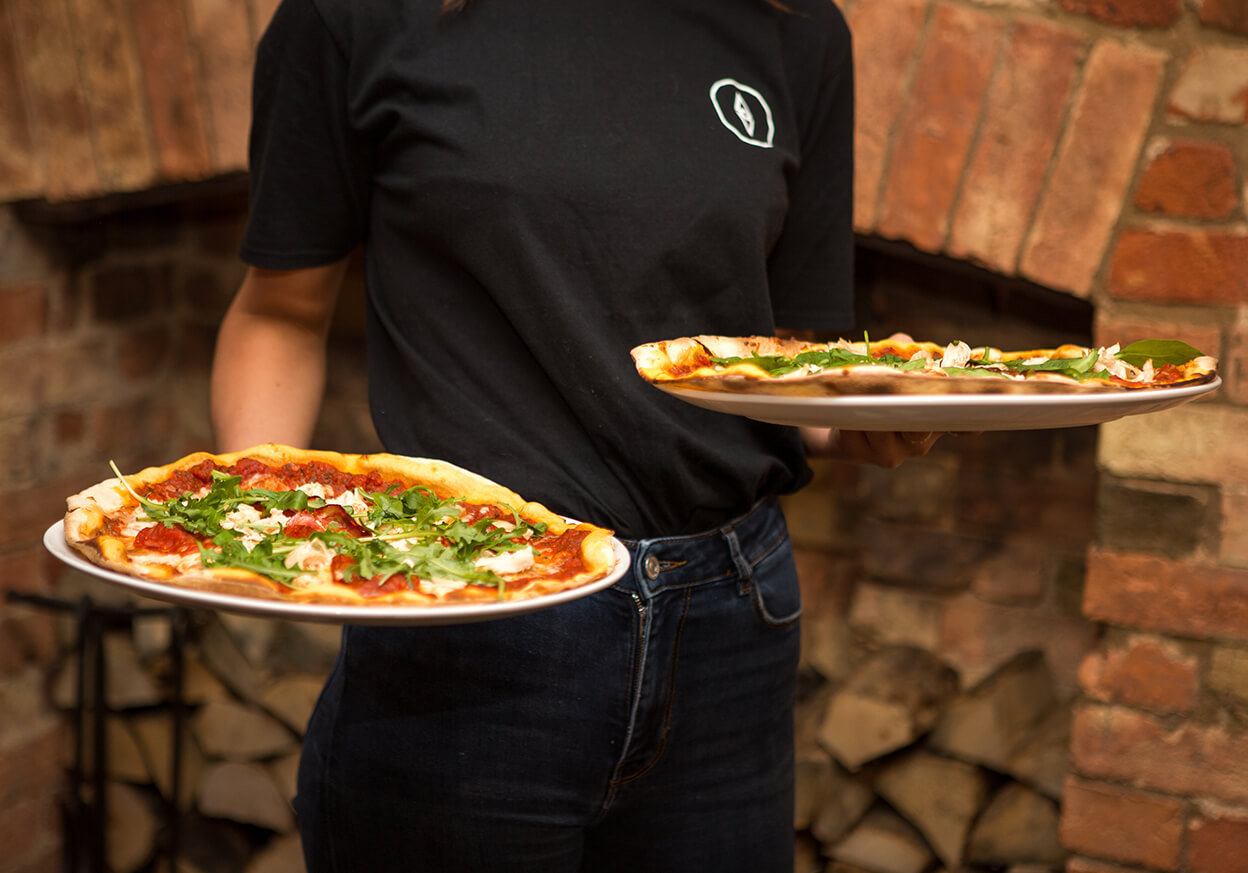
[437, 542]
[1074, 367]
[1160, 352]
[262, 559]
[971, 371]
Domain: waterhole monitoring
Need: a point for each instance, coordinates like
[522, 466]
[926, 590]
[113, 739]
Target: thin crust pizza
[323, 527]
[902, 365]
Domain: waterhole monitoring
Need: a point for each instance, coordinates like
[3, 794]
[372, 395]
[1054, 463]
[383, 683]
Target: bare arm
[268, 374]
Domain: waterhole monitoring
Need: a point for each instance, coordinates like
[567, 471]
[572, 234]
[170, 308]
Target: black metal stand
[85, 812]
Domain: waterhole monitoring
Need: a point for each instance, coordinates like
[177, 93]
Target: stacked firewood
[901, 771]
[248, 688]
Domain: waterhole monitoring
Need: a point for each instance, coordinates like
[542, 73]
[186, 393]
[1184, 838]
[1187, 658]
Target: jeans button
[651, 567]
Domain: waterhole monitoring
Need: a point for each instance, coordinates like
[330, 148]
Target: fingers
[883, 448]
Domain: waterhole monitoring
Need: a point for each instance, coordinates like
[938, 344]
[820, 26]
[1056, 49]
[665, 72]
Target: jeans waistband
[725, 552]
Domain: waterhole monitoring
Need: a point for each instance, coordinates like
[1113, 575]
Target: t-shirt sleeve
[811, 267]
[309, 169]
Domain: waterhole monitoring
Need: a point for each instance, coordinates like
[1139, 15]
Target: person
[538, 186]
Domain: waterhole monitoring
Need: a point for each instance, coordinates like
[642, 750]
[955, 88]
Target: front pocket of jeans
[776, 592]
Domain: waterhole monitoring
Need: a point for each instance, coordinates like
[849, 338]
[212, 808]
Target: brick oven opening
[900, 288]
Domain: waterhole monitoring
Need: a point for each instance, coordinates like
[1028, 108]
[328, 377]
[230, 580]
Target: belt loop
[744, 570]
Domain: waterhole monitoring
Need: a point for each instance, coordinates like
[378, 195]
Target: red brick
[138, 423]
[25, 378]
[25, 568]
[886, 35]
[1021, 573]
[827, 581]
[1234, 530]
[1094, 166]
[1120, 824]
[1153, 593]
[21, 175]
[29, 826]
[32, 766]
[143, 353]
[1229, 15]
[1181, 265]
[1234, 366]
[1150, 673]
[1217, 841]
[936, 130]
[1056, 511]
[69, 427]
[1022, 121]
[1211, 86]
[47, 859]
[177, 118]
[1189, 179]
[1128, 13]
[1123, 326]
[222, 33]
[23, 311]
[1190, 759]
[114, 95]
[26, 638]
[131, 291]
[27, 511]
[23, 439]
[58, 105]
[1077, 864]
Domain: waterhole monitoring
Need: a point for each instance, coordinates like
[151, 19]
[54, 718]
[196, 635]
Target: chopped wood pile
[249, 687]
[900, 771]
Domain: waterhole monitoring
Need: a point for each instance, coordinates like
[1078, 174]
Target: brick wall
[103, 96]
[1101, 149]
[1095, 148]
[106, 332]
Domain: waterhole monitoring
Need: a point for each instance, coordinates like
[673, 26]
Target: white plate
[943, 412]
[54, 541]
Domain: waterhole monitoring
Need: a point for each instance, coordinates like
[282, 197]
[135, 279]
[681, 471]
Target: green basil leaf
[971, 371]
[1160, 352]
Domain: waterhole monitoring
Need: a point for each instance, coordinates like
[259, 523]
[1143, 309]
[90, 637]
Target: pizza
[323, 527]
[902, 365]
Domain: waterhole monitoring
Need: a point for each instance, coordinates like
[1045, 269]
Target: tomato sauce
[166, 540]
[180, 482]
[559, 557]
[471, 513]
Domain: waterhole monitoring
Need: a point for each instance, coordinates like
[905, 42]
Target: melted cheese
[312, 554]
[439, 587]
[956, 355]
[506, 562]
[252, 527]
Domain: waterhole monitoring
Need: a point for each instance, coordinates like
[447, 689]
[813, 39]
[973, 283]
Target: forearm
[268, 374]
[267, 382]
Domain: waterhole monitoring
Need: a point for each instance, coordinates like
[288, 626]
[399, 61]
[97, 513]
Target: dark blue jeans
[645, 728]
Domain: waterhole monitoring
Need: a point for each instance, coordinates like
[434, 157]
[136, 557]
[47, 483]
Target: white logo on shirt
[743, 111]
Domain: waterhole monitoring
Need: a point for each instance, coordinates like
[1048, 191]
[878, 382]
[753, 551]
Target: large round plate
[943, 412]
[54, 541]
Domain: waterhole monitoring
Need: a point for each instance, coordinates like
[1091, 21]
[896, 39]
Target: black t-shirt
[541, 185]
